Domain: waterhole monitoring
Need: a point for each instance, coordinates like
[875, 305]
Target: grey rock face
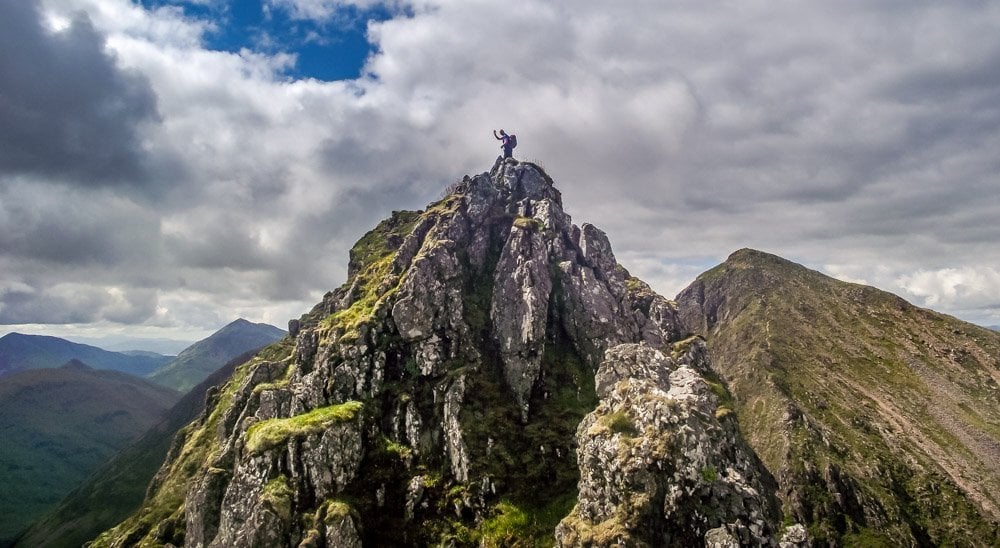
[468, 339]
[660, 463]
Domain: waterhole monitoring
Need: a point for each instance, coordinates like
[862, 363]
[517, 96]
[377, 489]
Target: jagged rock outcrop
[437, 398]
[662, 462]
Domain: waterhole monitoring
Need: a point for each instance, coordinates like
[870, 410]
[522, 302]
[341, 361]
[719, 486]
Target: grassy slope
[58, 425]
[880, 419]
[117, 488]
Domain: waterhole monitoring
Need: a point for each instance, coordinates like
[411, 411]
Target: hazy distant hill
[879, 419]
[57, 425]
[201, 359]
[126, 343]
[117, 487]
[22, 352]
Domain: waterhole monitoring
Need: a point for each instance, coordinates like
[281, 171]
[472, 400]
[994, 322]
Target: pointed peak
[772, 267]
[753, 257]
[241, 324]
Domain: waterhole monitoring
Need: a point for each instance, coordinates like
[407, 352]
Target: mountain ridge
[449, 378]
[20, 352]
[857, 380]
[490, 375]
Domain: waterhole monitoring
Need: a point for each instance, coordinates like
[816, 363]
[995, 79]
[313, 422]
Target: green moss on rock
[277, 496]
[270, 433]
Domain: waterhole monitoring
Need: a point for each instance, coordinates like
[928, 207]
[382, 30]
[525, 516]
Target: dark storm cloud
[18, 307]
[75, 304]
[72, 228]
[66, 109]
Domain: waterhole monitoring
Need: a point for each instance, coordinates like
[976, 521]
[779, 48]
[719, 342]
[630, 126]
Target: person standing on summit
[508, 142]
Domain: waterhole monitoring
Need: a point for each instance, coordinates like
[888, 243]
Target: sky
[168, 166]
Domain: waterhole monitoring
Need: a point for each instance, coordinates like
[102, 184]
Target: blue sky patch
[332, 49]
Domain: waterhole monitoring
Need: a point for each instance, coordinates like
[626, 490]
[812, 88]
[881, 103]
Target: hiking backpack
[513, 140]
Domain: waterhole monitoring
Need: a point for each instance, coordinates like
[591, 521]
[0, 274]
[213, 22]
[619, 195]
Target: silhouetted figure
[508, 142]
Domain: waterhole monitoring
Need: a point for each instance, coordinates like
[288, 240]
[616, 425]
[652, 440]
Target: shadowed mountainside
[58, 425]
[879, 419]
[116, 489]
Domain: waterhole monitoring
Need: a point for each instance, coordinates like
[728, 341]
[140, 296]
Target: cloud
[66, 109]
[71, 303]
[955, 288]
[72, 227]
[857, 135]
[325, 10]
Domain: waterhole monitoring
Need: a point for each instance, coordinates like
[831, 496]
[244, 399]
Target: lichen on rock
[658, 468]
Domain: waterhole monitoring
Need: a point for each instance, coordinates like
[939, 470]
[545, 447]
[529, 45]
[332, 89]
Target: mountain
[125, 343]
[488, 374]
[117, 487]
[879, 420]
[58, 425]
[202, 358]
[21, 352]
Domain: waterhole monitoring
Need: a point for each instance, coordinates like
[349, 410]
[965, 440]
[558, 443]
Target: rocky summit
[488, 375]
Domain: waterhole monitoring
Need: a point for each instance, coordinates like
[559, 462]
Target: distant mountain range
[59, 421]
[125, 343]
[194, 364]
[58, 424]
[22, 352]
[202, 358]
[116, 488]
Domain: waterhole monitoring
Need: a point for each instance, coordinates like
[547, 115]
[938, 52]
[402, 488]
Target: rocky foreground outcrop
[662, 462]
[489, 374]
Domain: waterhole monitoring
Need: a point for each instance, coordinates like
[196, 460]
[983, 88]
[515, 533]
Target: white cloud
[955, 288]
[325, 10]
[857, 135]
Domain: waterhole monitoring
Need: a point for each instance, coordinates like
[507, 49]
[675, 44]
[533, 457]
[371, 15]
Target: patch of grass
[709, 474]
[384, 239]
[620, 423]
[510, 523]
[397, 449]
[528, 223]
[270, 433]
[514, 524]
[277, 496]
[335, 510]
